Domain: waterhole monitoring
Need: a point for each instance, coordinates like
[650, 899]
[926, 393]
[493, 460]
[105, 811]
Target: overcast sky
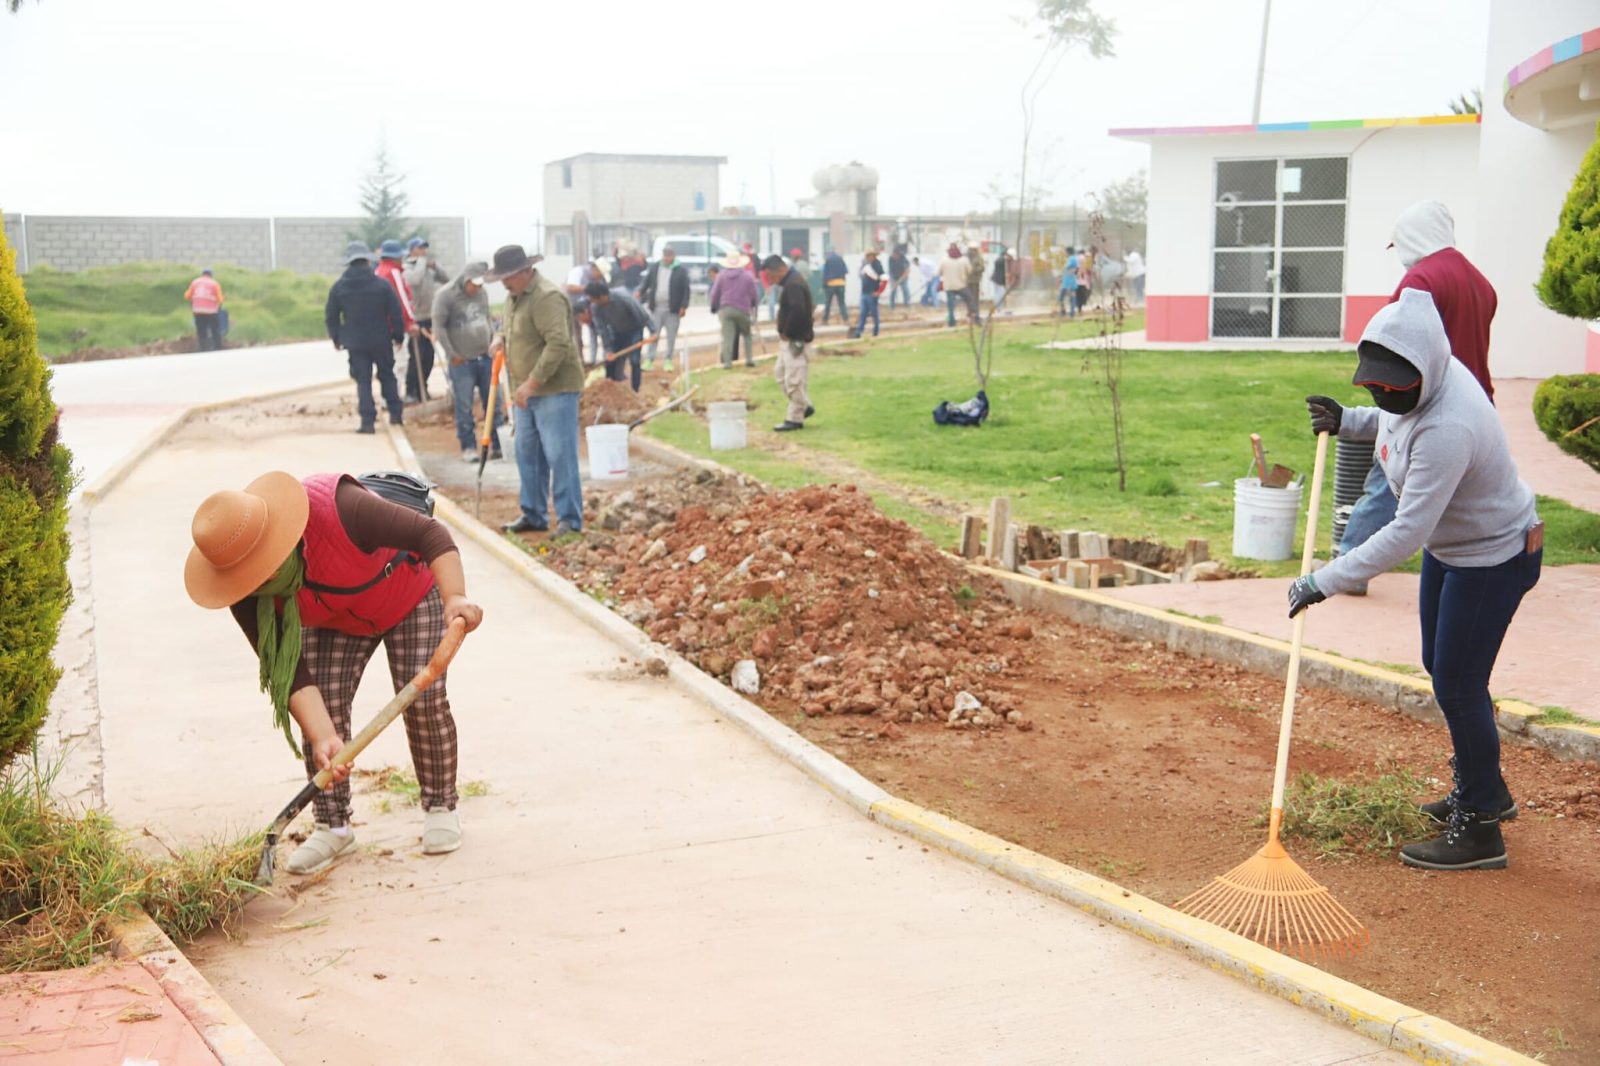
[241, 107]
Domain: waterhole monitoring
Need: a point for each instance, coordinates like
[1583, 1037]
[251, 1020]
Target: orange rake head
[1271, 900]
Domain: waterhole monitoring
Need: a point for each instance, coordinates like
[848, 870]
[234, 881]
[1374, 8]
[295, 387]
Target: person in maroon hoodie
[1425, 240]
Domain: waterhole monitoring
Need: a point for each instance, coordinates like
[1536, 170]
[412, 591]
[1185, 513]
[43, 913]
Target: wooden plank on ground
[999, 524]
[971, 535]
[1008, 549]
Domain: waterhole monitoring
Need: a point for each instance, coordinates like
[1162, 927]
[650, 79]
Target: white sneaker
[441, 832]
[468, 455]
[319, 850]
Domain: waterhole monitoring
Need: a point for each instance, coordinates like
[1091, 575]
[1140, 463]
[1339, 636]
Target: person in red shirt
[1425, 240]
[392, 268]
[205, 300]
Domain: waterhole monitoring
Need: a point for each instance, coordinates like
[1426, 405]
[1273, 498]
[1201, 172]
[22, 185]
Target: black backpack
[972, 413]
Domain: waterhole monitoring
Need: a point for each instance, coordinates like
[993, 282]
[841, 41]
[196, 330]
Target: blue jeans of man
[900, 289]
[930, 293]
[869, 306]
[362, 364]
[468, 376]
[547, 460]
[617, 369]
[1372, 512]
[951, 300]
[1465, 612]
[830, 293]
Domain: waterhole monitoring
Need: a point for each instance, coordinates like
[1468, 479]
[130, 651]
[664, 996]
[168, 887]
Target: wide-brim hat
[392, 249]
[735, 260]
[357, 250]
[241, 538]
[1378, 365]
[510, 259]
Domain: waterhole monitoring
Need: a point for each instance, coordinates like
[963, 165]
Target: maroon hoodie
[1466, 302]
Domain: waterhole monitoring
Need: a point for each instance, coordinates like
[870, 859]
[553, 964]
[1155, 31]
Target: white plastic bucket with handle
[1264, 520]
[608, 451]
[727, 425]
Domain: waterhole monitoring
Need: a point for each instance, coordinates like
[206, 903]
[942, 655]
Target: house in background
[1280, 231]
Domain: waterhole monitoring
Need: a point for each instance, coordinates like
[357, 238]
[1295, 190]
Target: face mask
[1396, 402]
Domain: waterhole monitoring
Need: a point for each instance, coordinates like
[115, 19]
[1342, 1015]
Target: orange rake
[1268, 898]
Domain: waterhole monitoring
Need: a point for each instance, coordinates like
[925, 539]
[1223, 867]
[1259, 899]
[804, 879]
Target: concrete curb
[1392, 1024]
[227, 1035]
[1412, 696]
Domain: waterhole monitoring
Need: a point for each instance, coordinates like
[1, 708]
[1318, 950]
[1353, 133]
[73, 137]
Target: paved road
[641, 883]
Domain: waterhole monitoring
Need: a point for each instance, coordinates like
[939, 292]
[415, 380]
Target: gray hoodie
[461, 325]
[1422, 229]
[1447, 460]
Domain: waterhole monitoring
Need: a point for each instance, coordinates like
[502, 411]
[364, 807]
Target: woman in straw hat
[318, 573]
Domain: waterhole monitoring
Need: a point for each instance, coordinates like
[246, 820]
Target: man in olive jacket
[546, 375]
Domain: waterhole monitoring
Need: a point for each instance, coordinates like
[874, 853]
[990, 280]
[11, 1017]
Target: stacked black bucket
[1353, 461]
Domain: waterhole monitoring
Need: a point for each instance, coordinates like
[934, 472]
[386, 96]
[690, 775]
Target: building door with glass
[1278, 241]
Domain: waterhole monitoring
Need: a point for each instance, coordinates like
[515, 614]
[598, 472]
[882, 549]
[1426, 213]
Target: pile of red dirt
[843, 610]
[615, 401]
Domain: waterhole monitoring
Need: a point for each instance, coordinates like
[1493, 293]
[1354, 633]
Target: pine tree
[1570, 284]
[383, 202]
[35, 477]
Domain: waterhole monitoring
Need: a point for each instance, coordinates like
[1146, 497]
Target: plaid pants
[336, 661]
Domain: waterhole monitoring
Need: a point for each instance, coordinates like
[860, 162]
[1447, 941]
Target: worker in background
[796, 330]
[424, 276]
[205, 301]
[367, 323]
[834, 273]
[873, 282]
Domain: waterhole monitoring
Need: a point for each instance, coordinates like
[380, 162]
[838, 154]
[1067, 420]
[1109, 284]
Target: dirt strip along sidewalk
[640, 881]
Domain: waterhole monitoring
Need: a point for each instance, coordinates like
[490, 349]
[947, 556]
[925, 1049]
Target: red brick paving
[85, 1017]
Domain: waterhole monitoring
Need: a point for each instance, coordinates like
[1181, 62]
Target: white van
[694, 252]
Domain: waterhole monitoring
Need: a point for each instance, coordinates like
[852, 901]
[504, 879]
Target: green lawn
[117, 307]
[1048, 443]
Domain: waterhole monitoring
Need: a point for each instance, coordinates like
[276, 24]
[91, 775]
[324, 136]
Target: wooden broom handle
[426, 676]
[1281, 772]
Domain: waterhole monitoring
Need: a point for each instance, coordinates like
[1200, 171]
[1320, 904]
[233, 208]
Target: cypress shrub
[1565, 403]
[1570, 284]
[35, 478]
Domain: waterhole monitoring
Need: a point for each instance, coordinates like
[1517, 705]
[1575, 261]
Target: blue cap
[414, 243]
[391, 249]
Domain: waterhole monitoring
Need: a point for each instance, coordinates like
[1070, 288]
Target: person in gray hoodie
[462, 329]
[1445, 456]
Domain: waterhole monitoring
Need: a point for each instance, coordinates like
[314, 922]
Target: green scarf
[279, 648]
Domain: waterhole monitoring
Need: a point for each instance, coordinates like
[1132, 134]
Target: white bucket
[1264, 520]
[608, 451]
[727, 425]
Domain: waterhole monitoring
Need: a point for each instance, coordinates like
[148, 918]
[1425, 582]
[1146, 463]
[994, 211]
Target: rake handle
[1280, 772]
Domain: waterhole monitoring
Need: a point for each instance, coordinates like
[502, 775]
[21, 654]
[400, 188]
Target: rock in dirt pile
[842, 609]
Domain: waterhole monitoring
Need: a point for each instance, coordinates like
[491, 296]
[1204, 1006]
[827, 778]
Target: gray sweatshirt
[461, 326]
[424, 276]
[1447, 460]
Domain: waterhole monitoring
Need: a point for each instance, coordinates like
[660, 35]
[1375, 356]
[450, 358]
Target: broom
[1268, 898]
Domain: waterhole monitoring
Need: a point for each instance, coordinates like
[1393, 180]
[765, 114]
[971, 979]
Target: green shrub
[35, 477]
[1567, 410]
[1570, 283]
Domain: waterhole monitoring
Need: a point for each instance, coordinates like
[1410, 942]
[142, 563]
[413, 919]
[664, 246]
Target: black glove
[1303, 593]
[1326, 415]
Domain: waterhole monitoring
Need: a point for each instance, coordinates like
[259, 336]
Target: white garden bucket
[608, 451]
[1264, 520]
[727, 425]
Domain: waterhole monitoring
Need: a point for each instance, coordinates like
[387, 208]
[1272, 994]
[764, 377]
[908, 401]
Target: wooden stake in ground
[1268, 898]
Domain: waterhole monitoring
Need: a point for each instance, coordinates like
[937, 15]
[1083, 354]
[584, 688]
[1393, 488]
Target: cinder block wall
[316, 245]
[303, 245]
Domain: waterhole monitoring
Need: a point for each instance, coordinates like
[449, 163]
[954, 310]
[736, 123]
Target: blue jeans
[466, 376]
[362, 363]
[950, 301]
[617, 369]
[930, 293]
[1371, 513]
[869, 306]
[547, 459]
[1465, 612]
[829, 295]
[901, 289]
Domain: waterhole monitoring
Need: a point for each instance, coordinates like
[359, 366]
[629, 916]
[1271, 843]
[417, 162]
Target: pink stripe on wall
[1591, 352]
[1358, 311]
[1177, 318]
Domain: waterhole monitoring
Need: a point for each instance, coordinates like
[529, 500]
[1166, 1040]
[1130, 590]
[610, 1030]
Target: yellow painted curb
[230, 1039]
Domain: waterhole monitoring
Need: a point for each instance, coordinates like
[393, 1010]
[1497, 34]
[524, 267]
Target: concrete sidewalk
[642, 883]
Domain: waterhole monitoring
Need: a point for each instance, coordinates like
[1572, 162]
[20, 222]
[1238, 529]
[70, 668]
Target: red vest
[334, 562]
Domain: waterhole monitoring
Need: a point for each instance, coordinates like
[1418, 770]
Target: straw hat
[735, 260]
[241, 538]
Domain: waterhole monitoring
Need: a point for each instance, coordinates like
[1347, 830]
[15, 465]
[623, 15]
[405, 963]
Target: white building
[1281, 230]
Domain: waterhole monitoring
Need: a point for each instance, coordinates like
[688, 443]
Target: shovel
[487, 440]
[357, 744]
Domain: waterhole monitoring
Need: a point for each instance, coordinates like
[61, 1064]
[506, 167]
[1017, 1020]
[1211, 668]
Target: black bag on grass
[972, 413]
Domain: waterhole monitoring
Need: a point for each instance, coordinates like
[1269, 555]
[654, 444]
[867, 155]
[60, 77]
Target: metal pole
[1261, 62]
